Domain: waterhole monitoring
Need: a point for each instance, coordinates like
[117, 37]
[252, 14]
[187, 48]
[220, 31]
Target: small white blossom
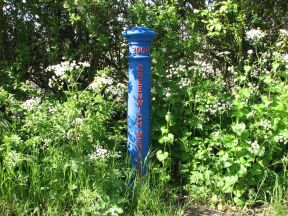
[284, 32]
[79, 121]
[164, 49]
[30, 104]
[250, 52]
[50, 83]
[184, 82]
[251, 114]
[99, 152]
[281, 138]
[266, 124]
[99, 82]
[13, 158]
[196, 11]
[51, 110]
[255, 34]
[254, 147]
[84, 64]
[285, 58]
[63, 67]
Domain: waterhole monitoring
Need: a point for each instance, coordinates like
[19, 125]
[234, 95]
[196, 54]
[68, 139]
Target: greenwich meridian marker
[139, 86]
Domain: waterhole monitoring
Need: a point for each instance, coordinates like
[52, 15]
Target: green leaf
[239, 201]
[247, 68]
[169, 139]
[164, 130]
[239, 190]
[161, 156]
[229, 181]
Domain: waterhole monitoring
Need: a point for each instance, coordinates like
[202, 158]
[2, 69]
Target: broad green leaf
[161, 156]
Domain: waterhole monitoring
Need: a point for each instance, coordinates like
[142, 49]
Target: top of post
[139, 33]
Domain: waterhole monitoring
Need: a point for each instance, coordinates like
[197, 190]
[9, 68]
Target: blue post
[140, 40]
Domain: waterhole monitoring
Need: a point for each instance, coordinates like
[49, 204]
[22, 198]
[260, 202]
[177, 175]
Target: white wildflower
[251, 114]
[63, 67]
[222, 54]
[184, 82]
[84, 64]
[60, 69]
[284, 32]
[250, 52]
[99, 152]
[255, 34]
[30, 104]
[281, 138]
[285, 58]
[266, 124]
[255, 147]
[79, 121]
[100, 82]
[93, 86]
[51, 110]
[50, 83]
[13, 158]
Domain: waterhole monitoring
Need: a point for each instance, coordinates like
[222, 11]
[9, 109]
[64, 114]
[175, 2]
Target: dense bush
[219, 106]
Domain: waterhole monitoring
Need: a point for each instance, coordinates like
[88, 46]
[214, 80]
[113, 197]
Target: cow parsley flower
[78, 121]
[282, 138]
[65, 66]
[255, 34]
[285, 58]
[254, 147]
[99, 152]
[250, 52]
[283, 32]
[100, 82]
[266, 124]
[84, 64]
[31, 103]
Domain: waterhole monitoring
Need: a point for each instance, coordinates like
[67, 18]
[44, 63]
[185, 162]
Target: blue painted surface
[139, 86]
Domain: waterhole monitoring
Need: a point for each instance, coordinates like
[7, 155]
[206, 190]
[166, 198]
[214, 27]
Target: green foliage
[219, 105]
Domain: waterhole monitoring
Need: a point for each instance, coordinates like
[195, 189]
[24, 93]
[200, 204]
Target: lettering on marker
[139, 116]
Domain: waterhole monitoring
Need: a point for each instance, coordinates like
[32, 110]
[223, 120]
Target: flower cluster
[250, 52]
[78, 121]
[251, 114]
[167, 92]
[206, 69]
[175, 70]
[99, 152]
[253, 86]
[255, 35]
[30, 104]
[116, 90]
[63, 67]
[220, 106]
[102, 153]
[266, 124]
[254, 147]
[285, 58]
[13, 158]
[99, 82]
[184, 82]
[283, 32]
[282, 139]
